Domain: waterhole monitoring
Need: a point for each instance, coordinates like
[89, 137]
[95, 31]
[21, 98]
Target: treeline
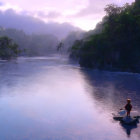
[65, 44]
[8, 48]
[117, 46]
[31, 45]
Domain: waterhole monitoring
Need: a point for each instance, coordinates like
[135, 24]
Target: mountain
[31, 25]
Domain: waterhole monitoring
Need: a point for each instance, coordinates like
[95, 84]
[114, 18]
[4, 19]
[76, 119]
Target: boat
[128, 120]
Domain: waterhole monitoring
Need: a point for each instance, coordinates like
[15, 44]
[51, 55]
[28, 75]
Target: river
[50, 98]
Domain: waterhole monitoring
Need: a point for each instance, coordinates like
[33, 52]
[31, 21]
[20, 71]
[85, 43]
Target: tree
[60, 46]
[8, 48]
[117, 46]
[113, 9]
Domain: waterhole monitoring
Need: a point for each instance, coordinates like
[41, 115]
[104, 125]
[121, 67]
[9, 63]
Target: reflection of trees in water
[112, 89]
[128, 128]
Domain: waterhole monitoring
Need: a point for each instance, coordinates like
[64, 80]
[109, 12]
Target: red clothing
[128, 107]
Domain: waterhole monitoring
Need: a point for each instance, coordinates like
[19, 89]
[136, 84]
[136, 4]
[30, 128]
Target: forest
[8, 48]
[31, 44]
[116, 46]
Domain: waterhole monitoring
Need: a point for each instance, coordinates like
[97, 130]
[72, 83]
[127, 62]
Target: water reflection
[110, 91]
[128, 128]
[114, 88]
[49, 98]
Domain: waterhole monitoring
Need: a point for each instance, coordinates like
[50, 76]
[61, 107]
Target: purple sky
[82, 13]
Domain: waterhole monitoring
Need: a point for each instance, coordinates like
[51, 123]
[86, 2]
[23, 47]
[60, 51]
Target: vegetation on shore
[8, 48]
[31, 44]
[117, 45]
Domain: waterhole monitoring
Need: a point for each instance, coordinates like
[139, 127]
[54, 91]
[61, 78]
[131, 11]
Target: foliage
[117, 46]
[31, 45]
[8, 48]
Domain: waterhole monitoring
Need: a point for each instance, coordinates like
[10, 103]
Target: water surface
[49, 98]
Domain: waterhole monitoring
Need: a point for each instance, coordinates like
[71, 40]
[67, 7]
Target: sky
[81, 13]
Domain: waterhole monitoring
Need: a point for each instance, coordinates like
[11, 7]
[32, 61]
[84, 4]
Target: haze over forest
[31, 25]
[36, 37]
[67, 69]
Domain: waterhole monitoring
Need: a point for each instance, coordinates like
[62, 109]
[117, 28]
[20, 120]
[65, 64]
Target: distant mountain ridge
[31, 25]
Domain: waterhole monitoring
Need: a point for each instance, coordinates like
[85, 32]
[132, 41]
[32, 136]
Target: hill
[117, 46]
[31, 25]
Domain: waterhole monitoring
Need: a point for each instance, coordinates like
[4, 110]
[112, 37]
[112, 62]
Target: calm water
[48, 98]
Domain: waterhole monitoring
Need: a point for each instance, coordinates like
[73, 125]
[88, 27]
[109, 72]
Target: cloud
[89, 16]
[82, 13]
[53, 14]
[51, 5]
[95, 7]
[6, 6]
[29, 24]
[1, 3]
[49, 15]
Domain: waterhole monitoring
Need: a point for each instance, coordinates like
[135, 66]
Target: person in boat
[128, 107]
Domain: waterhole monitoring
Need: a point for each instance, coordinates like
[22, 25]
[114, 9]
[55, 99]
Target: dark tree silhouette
[8, 48]
[117, 46]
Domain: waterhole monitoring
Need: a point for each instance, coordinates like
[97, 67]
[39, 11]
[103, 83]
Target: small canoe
[129, 120]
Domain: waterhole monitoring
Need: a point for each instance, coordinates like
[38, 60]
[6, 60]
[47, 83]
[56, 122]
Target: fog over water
[51, 98]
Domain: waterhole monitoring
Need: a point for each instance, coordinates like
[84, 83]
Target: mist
[33, 35]
[31, 25]
[68, 68]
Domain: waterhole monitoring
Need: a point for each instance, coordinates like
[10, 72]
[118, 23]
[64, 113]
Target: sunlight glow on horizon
[84, 14]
